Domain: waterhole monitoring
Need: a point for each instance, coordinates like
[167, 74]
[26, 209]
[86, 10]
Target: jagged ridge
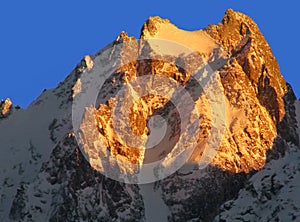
[53, 181]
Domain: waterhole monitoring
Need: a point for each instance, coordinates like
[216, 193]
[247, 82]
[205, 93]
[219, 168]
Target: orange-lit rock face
[109, 138]
[240, 36]
[251, 81]
[254, 88]
[141, 110]
[5, 107]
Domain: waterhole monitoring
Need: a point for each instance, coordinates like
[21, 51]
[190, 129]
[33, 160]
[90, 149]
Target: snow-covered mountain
[243, 168]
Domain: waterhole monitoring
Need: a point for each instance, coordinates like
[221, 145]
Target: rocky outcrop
[5, 107]
[241, 37]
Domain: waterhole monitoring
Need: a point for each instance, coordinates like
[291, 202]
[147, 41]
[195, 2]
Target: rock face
[55, 182]
[260, 102]
[254, 56]
[5, 107]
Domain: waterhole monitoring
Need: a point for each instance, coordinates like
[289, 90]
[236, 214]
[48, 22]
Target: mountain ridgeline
[48, 175]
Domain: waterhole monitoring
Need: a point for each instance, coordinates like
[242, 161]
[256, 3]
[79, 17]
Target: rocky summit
[59, 166]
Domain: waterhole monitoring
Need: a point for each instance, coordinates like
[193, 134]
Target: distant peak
[239, 17]
[230, 13]
[155, 20]
[152, 25]
[124, 37]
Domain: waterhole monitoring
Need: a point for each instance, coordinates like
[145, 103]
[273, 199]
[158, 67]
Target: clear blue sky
[42, 41]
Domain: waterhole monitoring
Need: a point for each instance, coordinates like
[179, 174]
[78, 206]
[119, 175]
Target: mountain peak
[241, 37]
[152, 26]
[230, 14]
[71, 166]
[123, 37]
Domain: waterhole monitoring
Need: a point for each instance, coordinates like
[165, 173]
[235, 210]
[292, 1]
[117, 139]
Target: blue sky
[42, 41]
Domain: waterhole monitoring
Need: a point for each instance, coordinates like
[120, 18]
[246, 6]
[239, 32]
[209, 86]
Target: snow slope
[155, 208]
[27, 140]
